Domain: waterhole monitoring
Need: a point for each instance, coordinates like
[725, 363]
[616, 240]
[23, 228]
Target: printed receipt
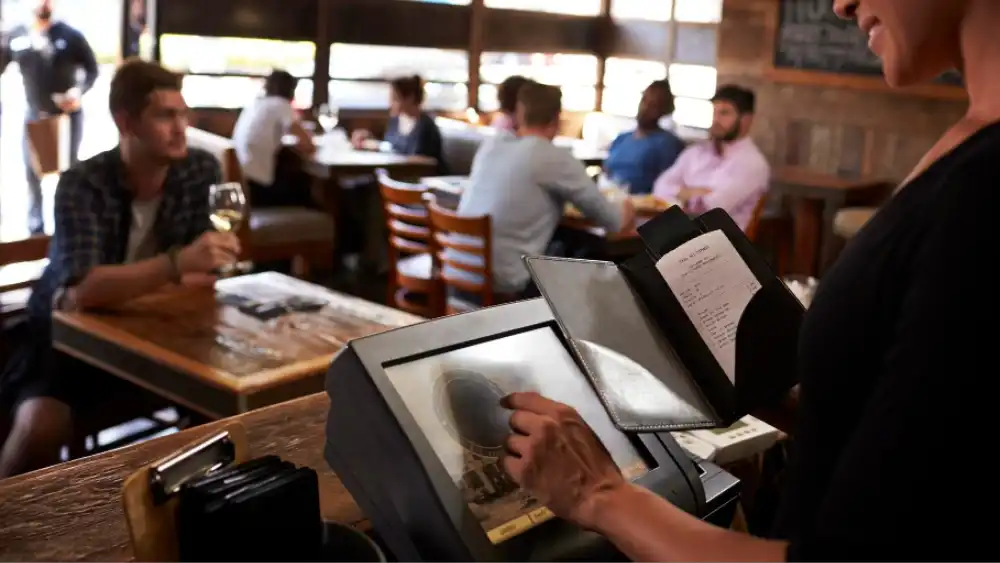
[714, 286]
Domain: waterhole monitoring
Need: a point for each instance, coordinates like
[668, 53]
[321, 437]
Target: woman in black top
[897, 362]
[410, 130]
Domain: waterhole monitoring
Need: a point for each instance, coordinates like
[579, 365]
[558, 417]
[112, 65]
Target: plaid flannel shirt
[93, 214]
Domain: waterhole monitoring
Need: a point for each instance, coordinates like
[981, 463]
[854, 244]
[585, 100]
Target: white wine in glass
[227, 206]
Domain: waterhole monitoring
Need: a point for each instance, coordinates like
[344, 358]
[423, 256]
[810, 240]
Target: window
[624, 80]
[361, 75]
[698, 11]
[691, 63]
[575, 74]
[232, 55]
[658, 10]
[573, 7]
[235, 92]
[228, 72]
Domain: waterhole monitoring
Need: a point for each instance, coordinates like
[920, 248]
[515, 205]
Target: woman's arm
[645, 527]
[558, 458]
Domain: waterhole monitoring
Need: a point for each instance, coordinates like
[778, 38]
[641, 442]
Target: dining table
[253, 341]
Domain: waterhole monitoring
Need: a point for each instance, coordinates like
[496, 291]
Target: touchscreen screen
[454, 397]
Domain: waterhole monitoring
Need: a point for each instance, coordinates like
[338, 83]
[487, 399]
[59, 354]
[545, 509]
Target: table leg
[807, 217]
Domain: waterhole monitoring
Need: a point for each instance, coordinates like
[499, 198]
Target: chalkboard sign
[812, 37]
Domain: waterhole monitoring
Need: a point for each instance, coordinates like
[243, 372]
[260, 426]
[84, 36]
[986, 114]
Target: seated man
[728, 171]
[257, 138]
[638, 157]
[129, 221]
[523, 183]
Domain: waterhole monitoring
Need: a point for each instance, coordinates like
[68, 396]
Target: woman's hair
[507, 93]
[280, 84]
[409, 88]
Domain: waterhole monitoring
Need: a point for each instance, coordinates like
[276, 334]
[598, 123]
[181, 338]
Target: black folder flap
[642, 382]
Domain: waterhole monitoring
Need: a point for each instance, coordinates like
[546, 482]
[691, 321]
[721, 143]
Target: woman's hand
[359, 136]
[556, 457]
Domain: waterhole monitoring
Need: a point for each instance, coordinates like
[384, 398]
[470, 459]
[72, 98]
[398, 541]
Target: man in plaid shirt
[128, 222]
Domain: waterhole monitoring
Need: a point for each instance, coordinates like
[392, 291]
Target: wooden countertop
[73, 511]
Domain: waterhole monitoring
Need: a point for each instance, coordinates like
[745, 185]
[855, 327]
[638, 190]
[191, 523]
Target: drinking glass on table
[227, 205]
[328, 117]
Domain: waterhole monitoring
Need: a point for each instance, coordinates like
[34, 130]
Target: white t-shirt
[142, 236]
[257, 136]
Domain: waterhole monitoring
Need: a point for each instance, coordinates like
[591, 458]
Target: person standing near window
[411, 131]
[50, 54]
[638, 157]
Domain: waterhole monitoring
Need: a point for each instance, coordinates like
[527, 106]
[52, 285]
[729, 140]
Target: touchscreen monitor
[454, 398]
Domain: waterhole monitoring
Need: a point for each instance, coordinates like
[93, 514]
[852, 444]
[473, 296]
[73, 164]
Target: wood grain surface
[193, 348]
[73, 511]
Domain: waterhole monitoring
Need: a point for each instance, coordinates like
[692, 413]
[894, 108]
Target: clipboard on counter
[149, 495]
[694, 332]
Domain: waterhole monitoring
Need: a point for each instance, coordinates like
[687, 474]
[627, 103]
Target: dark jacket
[424, 140]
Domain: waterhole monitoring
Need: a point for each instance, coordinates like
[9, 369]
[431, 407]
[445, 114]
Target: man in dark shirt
[128, 222]
[49, 54]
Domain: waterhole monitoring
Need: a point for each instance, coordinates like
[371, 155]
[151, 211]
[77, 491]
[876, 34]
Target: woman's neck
[980, 57]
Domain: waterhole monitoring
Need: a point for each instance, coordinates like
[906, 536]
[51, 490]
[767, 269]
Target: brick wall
[828, 129]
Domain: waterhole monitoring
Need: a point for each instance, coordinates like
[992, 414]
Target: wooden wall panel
[395, 22]
[293, 20]
[537, 32]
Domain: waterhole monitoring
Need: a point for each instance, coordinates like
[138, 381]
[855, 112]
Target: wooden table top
[795, 176]
[193, 348]
[333, 158]
[73, 511]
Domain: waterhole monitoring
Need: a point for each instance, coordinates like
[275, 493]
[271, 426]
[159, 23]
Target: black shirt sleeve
[430, 143]
[86, 59]
[906, 485]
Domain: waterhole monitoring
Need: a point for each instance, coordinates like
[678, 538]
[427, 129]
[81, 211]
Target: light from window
[368, 62]
[555, 69]
[693, 112]
[693, 81]
[652, 10]
[234, 55]
[573, 7]
[698, 11]
[574, 98]
[234, 92]
[634, 73]
[355, 94]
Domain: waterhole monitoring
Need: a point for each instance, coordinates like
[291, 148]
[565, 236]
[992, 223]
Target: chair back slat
[409, 243]
[463, 248]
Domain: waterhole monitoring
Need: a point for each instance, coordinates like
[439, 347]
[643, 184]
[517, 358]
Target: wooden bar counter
[73, 511]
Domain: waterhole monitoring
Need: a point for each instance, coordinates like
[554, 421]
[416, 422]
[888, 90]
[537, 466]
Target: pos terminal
[416, 432]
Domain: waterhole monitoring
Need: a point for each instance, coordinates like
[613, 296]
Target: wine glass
[328, 117]
[227, 206]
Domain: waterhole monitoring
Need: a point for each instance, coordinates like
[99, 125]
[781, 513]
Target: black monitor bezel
[443, 335]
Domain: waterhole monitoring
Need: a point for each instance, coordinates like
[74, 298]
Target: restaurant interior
[207, 370]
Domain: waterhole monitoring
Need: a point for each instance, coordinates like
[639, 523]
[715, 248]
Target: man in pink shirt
[728, 171]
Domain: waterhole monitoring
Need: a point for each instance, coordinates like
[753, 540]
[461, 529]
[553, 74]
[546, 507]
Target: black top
[51, 67]
[897, 363]
[423, 140]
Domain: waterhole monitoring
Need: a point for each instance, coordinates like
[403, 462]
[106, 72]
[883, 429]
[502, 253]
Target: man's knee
[41, 426]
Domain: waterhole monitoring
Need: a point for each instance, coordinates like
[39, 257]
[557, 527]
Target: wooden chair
[302, 235]
[463, 250]
[768, 223]
[413, 283]
[21, 263]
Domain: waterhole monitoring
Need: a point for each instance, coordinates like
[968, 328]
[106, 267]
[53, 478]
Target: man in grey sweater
[523, 183]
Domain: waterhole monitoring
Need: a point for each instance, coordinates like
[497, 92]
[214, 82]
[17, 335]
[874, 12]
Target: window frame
[673, 26]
